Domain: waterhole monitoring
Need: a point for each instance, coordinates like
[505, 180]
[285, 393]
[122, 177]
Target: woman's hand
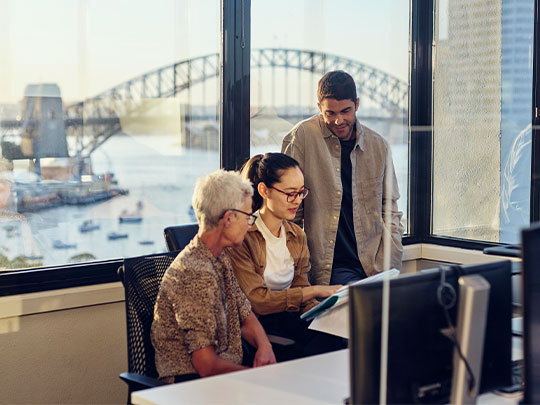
[264, 356]
[324, 291]
[319, 291]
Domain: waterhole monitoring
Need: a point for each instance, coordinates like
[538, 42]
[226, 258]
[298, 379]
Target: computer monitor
[420, 357]
[531, 313]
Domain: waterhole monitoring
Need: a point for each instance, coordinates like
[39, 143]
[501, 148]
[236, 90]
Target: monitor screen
[420, 356]
[531, 313]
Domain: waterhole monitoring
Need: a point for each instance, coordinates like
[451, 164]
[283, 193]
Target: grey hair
[217, 192]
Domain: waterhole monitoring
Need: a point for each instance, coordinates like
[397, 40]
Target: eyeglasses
[292, 196]
[251, 218]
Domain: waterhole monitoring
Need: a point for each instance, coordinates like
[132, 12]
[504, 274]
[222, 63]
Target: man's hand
[264, 356]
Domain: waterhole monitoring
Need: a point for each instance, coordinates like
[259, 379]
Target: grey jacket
[377, 221]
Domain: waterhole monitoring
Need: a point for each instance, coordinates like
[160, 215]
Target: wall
[63, 346]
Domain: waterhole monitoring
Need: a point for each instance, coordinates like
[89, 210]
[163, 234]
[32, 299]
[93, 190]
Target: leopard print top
[199, 304]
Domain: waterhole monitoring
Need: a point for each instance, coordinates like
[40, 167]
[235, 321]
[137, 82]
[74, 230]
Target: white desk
[322, 379]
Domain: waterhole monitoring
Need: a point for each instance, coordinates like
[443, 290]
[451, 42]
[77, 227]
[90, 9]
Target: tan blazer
[249, 262]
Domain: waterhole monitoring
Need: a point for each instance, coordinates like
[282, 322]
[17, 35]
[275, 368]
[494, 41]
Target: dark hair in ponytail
[267, 169]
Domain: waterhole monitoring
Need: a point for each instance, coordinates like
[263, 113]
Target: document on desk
[332, 315]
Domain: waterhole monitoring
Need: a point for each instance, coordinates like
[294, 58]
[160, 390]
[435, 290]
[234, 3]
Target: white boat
[58, 244]
[88, 226]
[131, 217]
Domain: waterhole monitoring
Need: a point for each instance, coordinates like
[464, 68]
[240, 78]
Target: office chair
[178, 236]
[141, 277]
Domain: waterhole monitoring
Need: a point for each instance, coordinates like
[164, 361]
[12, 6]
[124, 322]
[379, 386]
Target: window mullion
[234, 82]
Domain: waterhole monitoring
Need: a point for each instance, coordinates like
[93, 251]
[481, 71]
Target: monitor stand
[471, 326]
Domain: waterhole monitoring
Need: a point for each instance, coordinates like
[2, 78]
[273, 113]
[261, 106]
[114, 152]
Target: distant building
[44, 133]
[516, 105]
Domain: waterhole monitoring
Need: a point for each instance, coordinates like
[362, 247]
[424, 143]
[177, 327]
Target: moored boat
[88, 226]
[116, 235]
[132, 217]
[129, 219]
[58, 244]
[146, 242]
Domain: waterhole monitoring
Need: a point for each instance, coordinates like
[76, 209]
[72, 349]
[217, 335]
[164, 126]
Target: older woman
[201, 313]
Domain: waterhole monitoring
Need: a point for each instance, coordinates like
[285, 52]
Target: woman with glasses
[201, 314]
[272, 264]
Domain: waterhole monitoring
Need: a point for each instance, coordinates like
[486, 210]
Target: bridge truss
[91, 122]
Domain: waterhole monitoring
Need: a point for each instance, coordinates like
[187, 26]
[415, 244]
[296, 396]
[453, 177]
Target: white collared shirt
[279, 270]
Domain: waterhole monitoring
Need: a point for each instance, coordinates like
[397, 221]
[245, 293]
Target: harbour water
[160, 174]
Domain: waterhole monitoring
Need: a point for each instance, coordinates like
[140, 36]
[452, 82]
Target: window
[482, 91]
[109, 112]
[292, 51]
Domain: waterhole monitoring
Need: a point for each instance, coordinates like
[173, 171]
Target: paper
[342, 295]
[334, 319]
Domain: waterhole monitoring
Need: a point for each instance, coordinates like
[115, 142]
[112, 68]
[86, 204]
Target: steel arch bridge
[94, 120]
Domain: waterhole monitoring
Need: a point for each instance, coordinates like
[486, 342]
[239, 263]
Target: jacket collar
[289, 230]
[359, 132]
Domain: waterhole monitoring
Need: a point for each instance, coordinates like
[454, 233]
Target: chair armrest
[139, 382]
[120, 274]
[280, 340]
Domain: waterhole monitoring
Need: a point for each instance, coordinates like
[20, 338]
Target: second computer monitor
[531, 313]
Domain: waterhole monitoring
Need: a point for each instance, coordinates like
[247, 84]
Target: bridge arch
[389, 92]
[102, 111]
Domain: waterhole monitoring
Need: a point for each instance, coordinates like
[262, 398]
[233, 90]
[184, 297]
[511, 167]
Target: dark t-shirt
[345, 251]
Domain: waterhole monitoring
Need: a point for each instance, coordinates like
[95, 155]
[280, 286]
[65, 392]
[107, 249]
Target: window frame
[535, 118]
[420, 119]
[421, 145]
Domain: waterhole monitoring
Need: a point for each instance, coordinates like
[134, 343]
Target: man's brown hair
[338, 85]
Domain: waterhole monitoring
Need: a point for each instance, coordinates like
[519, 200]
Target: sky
[89, 46]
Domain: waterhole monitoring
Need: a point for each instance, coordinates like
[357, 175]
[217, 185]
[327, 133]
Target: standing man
[351, 220]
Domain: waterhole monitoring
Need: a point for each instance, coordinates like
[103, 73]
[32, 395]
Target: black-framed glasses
[292, 196]
[251, 218]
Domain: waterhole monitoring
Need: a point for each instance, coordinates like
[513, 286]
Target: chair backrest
[141, 277]
[178, 236]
